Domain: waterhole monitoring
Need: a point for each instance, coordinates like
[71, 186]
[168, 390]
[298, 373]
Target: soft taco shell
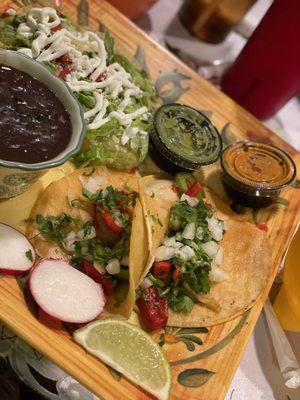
[246, 259]
[56, 200]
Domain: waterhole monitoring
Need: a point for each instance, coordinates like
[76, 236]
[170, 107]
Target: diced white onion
[113, 267]
[185, 253]
[216, 228]
[192, 201]
[117, 218]
[146, 283]
[85, 216]
[217, 274]
[71, 235]
[219, 256]
[171, 242]
[210, 248]
[189, 231]
[164, 253]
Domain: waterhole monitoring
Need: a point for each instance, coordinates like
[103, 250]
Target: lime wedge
[129, 350]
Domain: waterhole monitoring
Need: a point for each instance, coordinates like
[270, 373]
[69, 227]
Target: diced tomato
[194, 190]
[65, 59]
[262, 226]
[57, 28]
[101, 77]
[109, 221]
[133, 170]
[154, 310]
[64, 72]
[105, 281]
[161, 269]
[4, 13]
[175, 189]
[176, 274]
[208, 205]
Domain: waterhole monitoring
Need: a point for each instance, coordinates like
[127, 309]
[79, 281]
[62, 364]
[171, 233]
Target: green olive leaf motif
[83, 13]
[140, 57]
[194, 377]
[217, 347]
[296, 184]
[282, 201]
[176, 91]
[227, 135]
[184, 335]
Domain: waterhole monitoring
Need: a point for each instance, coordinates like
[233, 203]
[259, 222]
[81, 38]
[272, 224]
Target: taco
[93, 218]
[206, 266]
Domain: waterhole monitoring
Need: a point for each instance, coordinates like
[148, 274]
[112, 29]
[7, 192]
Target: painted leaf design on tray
[83, 13]
[194, 377]
[227, 136]
[296, 184]
[140, 57]
[218, 346]
[171, 94]
[282, 201]
[185, 335]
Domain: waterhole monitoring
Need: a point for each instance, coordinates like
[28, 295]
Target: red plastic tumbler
[266, 74]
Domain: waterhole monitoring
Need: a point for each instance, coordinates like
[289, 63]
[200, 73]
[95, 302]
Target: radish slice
[66, 293]
[17, 254]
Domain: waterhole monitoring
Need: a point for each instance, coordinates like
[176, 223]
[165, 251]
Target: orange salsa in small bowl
[255, 173]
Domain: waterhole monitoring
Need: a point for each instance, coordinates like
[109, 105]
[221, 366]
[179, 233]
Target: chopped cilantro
[56, 228]
[29, 255]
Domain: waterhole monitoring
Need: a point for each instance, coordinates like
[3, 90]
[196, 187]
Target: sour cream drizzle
[49, 44]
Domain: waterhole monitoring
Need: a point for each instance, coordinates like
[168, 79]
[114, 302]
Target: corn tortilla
[55, 200]
[246, 259]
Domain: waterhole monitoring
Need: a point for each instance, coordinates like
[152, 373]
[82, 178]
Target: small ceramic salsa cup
[255, 173]
[16, 177]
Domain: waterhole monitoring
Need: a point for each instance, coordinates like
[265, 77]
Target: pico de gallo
[188, 260]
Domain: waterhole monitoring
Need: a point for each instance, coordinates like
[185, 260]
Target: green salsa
[188, 134]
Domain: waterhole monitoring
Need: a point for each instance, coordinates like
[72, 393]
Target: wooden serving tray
[204, 360]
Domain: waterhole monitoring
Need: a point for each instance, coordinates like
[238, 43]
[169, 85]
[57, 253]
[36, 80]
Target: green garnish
[183, 180]
[193, 278]
[89, 173]
[29, 255]
[86, 99]
[56, 228]
[53, 68]
[154, 218]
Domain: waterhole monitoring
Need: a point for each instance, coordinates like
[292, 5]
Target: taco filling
[201, 254]
[188, 259]
[92, 229]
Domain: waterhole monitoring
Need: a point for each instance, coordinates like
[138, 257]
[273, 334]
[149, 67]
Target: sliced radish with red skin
[66, 293]
[17, 254]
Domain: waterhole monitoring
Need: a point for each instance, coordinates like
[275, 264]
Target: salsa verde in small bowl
[41, 122]
[183, 138]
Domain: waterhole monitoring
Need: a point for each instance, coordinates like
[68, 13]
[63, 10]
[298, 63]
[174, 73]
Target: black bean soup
[34, 125]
